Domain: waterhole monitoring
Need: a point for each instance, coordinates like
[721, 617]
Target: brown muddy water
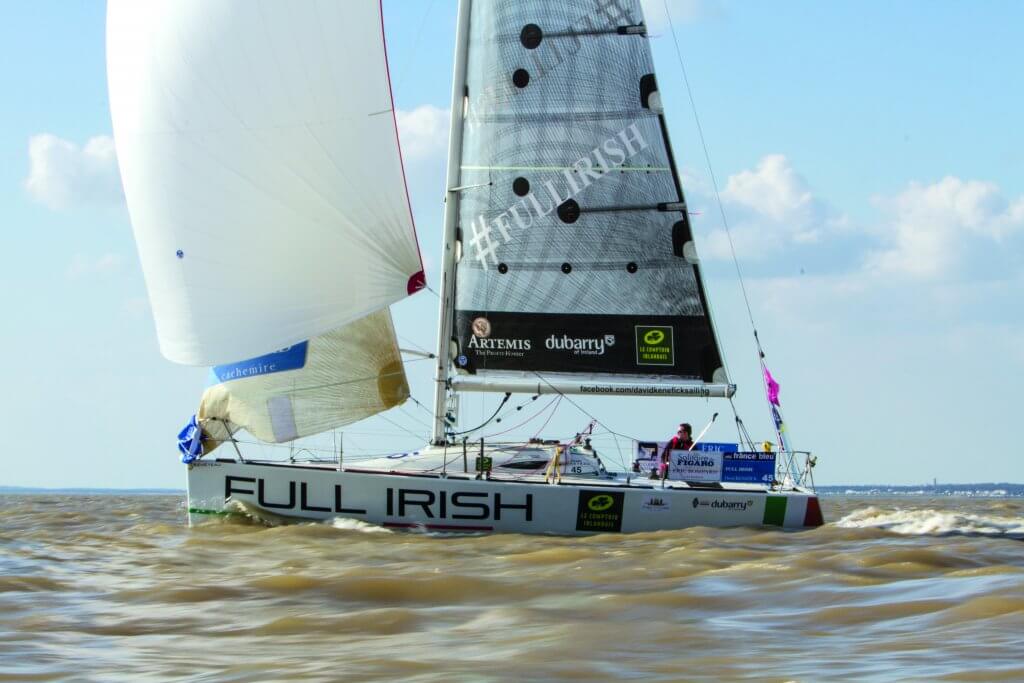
[118, 588]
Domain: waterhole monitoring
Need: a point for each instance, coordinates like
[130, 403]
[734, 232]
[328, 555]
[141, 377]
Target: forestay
[330, 381]
[260, 160]
[577, 253]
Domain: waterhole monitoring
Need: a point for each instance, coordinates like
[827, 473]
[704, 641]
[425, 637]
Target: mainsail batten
[576, 250]
[262, 169]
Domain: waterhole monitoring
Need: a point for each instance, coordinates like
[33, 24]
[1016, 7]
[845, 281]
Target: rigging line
[581, 409]
[618, 449]
[526, 421]
[488, 421]
[413, 418]
[404, 429]
[543, 426]
[415, 46]
[711, 171]
[426, 409]
[508, 411]
[413, 344]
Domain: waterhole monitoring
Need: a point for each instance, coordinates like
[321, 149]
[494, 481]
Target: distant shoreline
[84, 491]
[983, 489]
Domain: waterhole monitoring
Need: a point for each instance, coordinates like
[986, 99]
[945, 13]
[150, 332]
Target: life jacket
[674, 444]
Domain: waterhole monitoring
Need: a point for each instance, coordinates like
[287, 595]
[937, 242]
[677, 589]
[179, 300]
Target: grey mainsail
[577, 254]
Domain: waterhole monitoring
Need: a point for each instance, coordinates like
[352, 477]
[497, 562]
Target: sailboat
[263, 172]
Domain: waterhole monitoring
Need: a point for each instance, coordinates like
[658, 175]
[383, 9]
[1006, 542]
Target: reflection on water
[117, 588]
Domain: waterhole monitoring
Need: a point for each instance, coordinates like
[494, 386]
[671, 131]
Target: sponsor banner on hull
[705, 463]
[748, 468]
[680, 346]
[599, 511]
[695, 466]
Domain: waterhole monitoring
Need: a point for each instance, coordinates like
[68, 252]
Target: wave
[929, 522]
[269, 519]
[346, 524]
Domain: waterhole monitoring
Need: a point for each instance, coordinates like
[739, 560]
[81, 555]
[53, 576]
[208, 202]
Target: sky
[870, 161]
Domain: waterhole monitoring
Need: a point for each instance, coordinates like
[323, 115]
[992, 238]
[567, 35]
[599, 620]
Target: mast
[449, 236]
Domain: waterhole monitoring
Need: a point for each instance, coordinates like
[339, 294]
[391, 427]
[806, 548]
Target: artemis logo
[580, 347]
[481, 327]
[496, 344]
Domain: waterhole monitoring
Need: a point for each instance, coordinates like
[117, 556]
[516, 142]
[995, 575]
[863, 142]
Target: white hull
[460, 503]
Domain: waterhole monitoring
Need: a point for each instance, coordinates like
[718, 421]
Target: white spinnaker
[348, 375]
[260, 160]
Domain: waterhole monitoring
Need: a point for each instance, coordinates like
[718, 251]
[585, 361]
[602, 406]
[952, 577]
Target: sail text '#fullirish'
[602, 160]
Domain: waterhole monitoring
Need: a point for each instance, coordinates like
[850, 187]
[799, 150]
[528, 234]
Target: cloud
[683, 12]
[63, 174]
[82, 266]
[952, 230]
[423, 132]
[770, 208]
[938, 229]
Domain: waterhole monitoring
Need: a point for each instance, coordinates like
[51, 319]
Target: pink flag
[772, 386]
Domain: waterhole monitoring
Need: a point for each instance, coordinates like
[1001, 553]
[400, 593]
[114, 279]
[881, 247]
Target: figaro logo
[691, 459]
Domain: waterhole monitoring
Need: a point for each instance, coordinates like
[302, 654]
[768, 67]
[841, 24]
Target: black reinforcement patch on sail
[593, 344]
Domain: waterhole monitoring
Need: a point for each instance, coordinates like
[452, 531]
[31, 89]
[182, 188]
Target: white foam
[347, 524]
[932, 522]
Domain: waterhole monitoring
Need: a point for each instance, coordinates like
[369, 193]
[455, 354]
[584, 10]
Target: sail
[261, 165]
[577, 254]
[308, 388]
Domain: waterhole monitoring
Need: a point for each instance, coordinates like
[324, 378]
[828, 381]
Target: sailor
[682, 441]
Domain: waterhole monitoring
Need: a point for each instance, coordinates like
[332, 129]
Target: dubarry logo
[654, 345]
[740, 505]
[580, 346]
